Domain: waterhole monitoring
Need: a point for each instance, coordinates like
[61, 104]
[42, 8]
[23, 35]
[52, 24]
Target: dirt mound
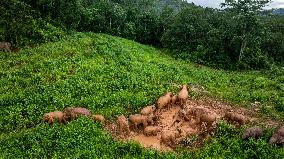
[188, 128]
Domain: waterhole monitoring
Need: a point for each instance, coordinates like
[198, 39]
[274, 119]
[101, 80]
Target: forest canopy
[239, 35]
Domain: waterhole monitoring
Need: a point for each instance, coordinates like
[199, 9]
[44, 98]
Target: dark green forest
[240, 35]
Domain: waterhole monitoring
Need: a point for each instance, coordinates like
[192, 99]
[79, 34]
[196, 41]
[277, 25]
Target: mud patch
[190, 129]
[147, 141]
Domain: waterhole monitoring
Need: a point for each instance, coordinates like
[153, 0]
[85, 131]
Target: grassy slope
[108, 75]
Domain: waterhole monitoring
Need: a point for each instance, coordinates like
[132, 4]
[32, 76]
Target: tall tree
[246, 20]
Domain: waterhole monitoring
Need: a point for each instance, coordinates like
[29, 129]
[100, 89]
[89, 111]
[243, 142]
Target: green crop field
[113, 76]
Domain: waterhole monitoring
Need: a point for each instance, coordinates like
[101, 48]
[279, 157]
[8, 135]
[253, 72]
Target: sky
[216, 3]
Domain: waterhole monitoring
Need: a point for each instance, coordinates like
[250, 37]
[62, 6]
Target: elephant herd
[149, 115]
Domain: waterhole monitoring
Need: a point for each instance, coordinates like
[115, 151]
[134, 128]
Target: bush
[22, 26]
[45, 32]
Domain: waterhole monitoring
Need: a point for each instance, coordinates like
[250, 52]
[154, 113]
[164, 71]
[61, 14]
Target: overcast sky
[216, 3]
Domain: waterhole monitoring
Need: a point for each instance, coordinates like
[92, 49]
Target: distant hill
[278, 11]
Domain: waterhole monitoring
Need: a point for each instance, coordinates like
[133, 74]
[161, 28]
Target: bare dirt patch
[189, 128]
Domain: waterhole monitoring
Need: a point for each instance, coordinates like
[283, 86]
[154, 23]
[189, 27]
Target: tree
[187, 30]
[16, 21]
[246, 21]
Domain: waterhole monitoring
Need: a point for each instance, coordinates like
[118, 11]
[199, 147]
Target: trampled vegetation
[111, 76]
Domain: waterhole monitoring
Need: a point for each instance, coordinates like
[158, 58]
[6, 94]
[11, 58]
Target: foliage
[78, 139]
[227, 143]
[21, 26]
[114, 76]
[15, 21]
[189, 27]
[241, 36]
[236, 36]
[273, 42]
[111, 76]
[80, 71]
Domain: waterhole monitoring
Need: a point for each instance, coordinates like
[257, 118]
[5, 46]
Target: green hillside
[113, 76]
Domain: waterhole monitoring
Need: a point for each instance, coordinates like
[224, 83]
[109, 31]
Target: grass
[111, 76]
[227, 143]
[79, 139]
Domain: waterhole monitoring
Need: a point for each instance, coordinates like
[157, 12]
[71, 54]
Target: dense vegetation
[111, 76]
[57, 67]
[241, 35]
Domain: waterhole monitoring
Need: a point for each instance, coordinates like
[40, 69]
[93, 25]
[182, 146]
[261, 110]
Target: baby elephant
[50, 117]
[6, 46]
[254, 132]
[152, 130]
[174, 99]
[164, 101]
[98, 118]
[169, 137]
[140, 119]
[180, 116]
[72, 113]
[123, 125]
[182, 96]
[278, 137]
[148, 110]
[196, 111]
[235, 117]
[208, 118]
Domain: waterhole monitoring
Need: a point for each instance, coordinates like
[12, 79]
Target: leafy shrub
[46, 32]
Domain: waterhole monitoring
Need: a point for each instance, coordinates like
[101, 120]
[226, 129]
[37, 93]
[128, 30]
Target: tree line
[240, 35]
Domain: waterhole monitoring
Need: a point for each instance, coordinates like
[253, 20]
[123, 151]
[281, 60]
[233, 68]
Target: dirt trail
[165, 120]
